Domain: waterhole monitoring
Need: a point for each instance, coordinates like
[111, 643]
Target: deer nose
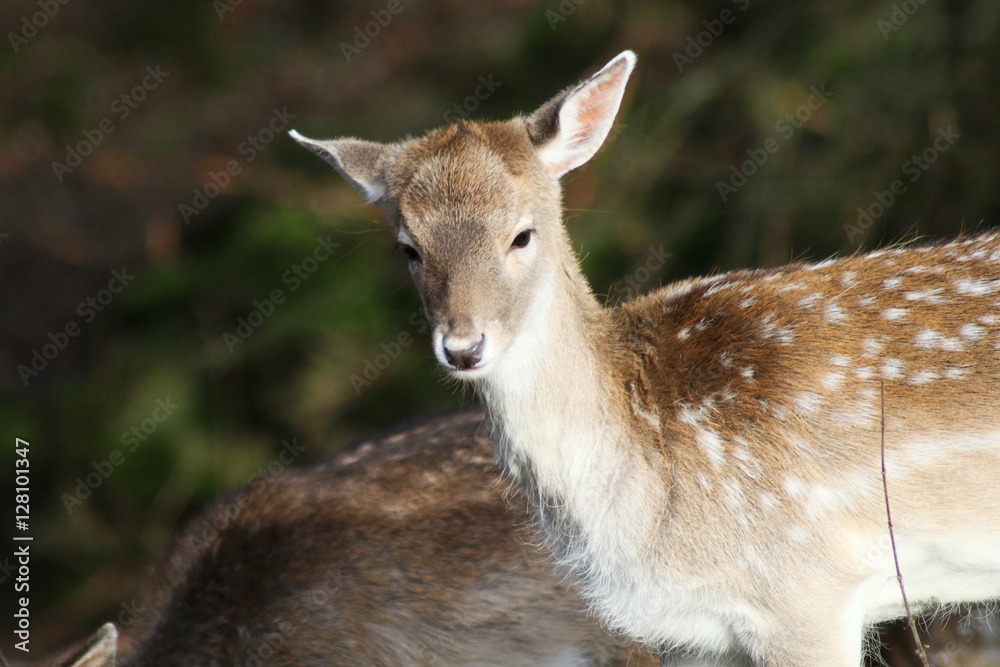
[462, 354]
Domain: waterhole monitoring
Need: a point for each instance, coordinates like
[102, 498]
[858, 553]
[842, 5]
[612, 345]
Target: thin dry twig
[892, 538]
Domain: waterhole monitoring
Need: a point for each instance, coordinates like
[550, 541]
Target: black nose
[465, 359]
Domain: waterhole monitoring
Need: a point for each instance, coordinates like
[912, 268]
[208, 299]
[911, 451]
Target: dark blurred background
[151, 203]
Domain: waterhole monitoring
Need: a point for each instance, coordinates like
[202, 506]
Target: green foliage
[301, 373]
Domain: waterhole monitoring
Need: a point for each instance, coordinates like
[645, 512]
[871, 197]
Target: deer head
[476, 209]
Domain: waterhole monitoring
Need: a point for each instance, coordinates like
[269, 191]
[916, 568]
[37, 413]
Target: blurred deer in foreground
[740, 509]
[401, 551]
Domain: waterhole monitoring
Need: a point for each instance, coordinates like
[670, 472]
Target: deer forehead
[459, 187]
[472, 175]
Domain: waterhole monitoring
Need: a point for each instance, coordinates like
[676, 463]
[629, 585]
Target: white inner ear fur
[586, 117]
[371, 190]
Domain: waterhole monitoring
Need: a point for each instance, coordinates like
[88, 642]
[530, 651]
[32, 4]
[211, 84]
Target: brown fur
[707, 458]
[401, 551]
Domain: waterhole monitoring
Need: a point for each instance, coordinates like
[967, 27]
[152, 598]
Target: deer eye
[522, 239]
[408, 250]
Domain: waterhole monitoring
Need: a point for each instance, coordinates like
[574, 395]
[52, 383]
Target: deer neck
[552, 398]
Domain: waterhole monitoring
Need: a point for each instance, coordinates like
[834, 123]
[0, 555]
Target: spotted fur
[707, 457]
[402, 550]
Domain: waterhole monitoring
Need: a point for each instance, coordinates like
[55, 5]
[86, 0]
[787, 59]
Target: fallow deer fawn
[707, 457]
[401, 551]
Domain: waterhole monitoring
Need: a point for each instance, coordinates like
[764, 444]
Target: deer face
[477, 229]
[475, 208]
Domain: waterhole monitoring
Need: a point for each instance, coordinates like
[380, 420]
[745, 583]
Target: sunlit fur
[399, 551]
[707, 457]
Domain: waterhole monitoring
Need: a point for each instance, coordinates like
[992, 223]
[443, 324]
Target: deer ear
[100, 649]
[362, 163]
[568, 129]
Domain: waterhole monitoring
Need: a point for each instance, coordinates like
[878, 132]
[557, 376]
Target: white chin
[475, 373]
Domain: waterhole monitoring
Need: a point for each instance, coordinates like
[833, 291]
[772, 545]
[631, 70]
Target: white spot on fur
[734, 495]
[704, 481]
[794, 487]
[892, 369]
[871, 347]
[972, 331]
[840, 360]
[688, 415]
[808, 402]
[833, 380]
[892, 283]
[928, 338]
[894, 314]
[977, 287]
[711, 444]
[809, 301]
[923, 377]
[930, 295]
[769, 502]
[955, 373]
[834, 314]
[953, 345]
[745, 461]
[718, 287]
[768, 326]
